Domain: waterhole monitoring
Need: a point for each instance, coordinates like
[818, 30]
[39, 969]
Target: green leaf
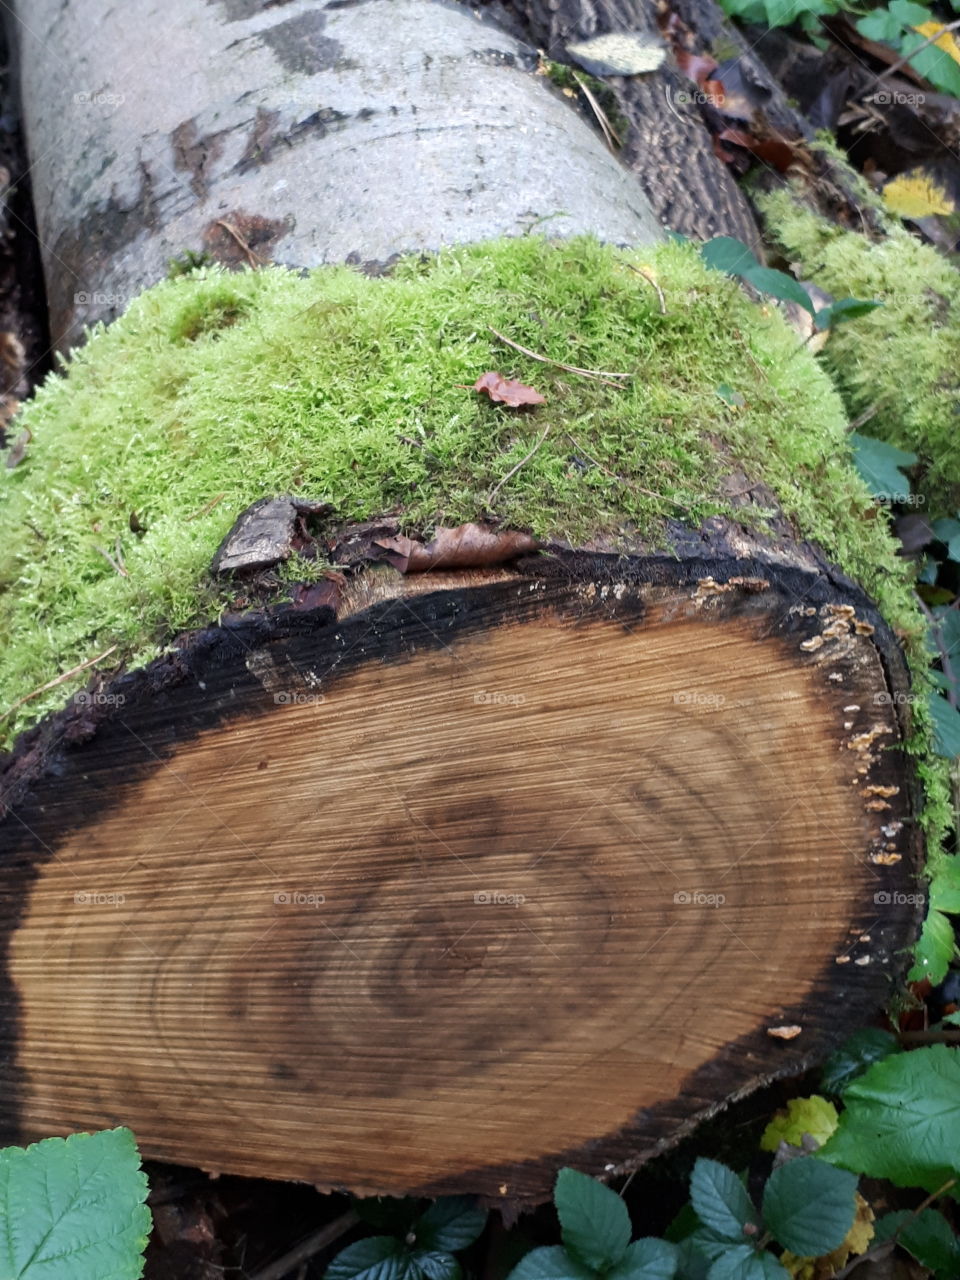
[646, 1259]
[594, 1221]
[450, 1224]
[720, 1200]
[710, 1244]
[777, 284]
[550, 1263]
[842, 310]
[808, 1206]
[376, 1258]
[683, 1225]
[946, 529]
[729, 396]
[743, 1262]
[928, 1238]
[692, 1264]
[935, 948]
[945, 885]
[436, 1266]
[724, 253]
[946, 727]
[901, 1120]
[948, 629]
[859, 1051]
[73, 1209]
[881, 465]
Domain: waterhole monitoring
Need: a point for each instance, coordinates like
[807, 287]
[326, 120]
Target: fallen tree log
[542, 786]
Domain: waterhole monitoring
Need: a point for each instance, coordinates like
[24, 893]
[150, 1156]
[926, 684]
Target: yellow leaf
[813, 1115]
[915, 195]
[946, 42]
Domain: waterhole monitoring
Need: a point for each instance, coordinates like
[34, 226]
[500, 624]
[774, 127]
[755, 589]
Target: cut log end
[489, 874]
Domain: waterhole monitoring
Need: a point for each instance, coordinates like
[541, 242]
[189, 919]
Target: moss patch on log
[215, 389]
[902, 360]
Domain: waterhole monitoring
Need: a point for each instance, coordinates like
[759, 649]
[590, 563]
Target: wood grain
[459, 887]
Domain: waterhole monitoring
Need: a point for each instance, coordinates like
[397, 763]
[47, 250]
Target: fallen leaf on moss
[507, 391]
[916, 195]
[469, 546]
[814, 1115]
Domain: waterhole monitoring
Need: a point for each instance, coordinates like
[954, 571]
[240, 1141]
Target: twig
[945, 662]
[863, 418]
[650, 280]
[601, 374]
[628, 484]
[307, 1248]
[118, 564]
[610, 134]
[902, 62]
[944, 1036]
[205, 510]
[522, 463]
[52, 684]
[886, 1246]
[253, 259]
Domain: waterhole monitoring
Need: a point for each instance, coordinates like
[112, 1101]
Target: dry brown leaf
[469, 546]
[506, 390]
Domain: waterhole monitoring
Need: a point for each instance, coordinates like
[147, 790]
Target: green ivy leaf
[450, 1224]
[724, 253]
[808, 1206]
[842, 310]
[646, 1259]
[376, 1258]
[881, 465]
[928, 1237]
[901, 1120]
[934, 950]
[777, 284]
[436, 1266]
[720, 1200]
[550, 1263]
[945, 885]
[594, 1221]
[73, 1209]
[946, 726]
[855, 1055]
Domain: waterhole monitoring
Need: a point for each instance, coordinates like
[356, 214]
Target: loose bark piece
[490, 872]
[470, 546]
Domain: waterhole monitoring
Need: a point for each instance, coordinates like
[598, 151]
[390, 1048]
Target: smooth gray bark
[352, 131]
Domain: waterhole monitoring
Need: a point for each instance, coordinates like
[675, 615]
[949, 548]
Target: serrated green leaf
[945, 885]
[928, 1237]
[777, 284]
[809, 1206]
[901, 1120]
[376, 1258]
[73, 1209]
[946, 727]
[646, 1259]
[881, 465]
[594, 1221]
[436, 1266]
[724, 253]
[743, 1262]
[710, 1244]
[934, 949]
[858, 1052]
[550, 1263]
[692, 1264]
[720, 1200]
[813, 1115]
[450, 1224]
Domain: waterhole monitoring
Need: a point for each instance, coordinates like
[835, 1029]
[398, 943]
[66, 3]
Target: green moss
[903, 360]
[350, 389]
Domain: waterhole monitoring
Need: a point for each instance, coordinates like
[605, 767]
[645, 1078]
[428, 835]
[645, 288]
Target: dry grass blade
[651, 281]
[613, 139]
[61, 679]
[513, 470]
[601, 375]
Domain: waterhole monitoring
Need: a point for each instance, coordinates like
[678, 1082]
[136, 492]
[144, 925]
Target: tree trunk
[500, 854]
